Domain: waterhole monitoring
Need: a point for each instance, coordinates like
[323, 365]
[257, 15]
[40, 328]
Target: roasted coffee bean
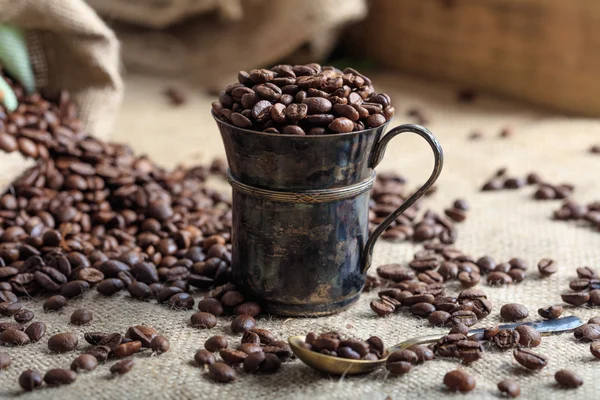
[30, 380]
[160, 344]
[423, 353]
[459, 380]
[513, 312]
[8, 309]
[101, 353]
[576, 298]
[395, 272]
[528, 336]
[266, 337]
[419, 298]
[595, 349]
[74, 288]
[587, 273]
[529, 359]
[13, 337]
[204, 357]
[242, 323]
[139, 290]
[84, 362]
[253, 361]
[467, 318]
[211, 305]
[111, 286]
[35, 331]
[127, 349]
[580, 284]
[517, 275]
[181, 301]
[507, 338]
[382, 308]
[221, 372]
[509, 387]
[594, 320]
[551, 312]
[422, 309]
[547, 267]
[460, 328]
[469, 279]
[111, 340]
[63, 342]
[59, 376]
[232, 357]
[497, 278]
[439, 318]
[489, 333]
[203, 320]
[4, 360]
[568, 379]
[587, 332]
[81, 317]
[122, 367]
[55, 303]
[486, 264]
[23, 316]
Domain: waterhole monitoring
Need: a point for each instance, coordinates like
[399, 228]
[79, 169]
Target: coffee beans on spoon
[303, 100]
[332, 344]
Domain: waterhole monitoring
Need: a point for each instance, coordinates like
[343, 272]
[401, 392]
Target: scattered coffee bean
[576, 298]
[547, 267]
[144, 334]
[122, 367]
[529, 359]
[568, 379]
[585, 333]
[203, 320]
[35, 331]
[63, 342]
[221, 372]
[127, 349]
[60, 376]
[55, 303]
[513, 312]
[551, 312]
[13, 337]
[84, 362]
[160, 344]
[23, 316]
[459, 380]
[510, 388]
[528, 336]
[507, 338]
[232, 357]
[215, 343]
[81, 317]
[204, 357]
[242, 323]
[30, 380]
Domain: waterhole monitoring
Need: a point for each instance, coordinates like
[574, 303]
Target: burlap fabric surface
[503, 224]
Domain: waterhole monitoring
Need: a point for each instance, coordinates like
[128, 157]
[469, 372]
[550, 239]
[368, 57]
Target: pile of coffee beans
[586, 213]
[303, 100]
[332, 344]
[103, 346]
[258, 351]
[585, 289]
[18, 333]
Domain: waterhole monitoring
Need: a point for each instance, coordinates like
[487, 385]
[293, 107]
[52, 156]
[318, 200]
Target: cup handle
[377, 155]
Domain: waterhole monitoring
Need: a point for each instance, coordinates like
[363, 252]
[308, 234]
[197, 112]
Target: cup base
[309, 310]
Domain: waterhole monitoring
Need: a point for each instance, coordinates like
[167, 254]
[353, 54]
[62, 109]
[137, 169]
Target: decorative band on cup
[305, 196]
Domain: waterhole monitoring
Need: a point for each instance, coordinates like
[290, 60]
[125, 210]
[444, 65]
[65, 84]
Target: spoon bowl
[344, 366]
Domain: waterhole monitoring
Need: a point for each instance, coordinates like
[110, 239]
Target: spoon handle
[546, 328]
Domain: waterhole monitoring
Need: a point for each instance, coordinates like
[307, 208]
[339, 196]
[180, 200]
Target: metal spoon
[344, 366]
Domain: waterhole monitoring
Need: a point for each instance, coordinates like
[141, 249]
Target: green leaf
[8, 96]
[14, 56]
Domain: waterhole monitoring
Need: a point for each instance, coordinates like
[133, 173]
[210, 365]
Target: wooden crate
[545, 51]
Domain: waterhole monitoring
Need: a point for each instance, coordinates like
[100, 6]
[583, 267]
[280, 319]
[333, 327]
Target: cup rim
[220, 121]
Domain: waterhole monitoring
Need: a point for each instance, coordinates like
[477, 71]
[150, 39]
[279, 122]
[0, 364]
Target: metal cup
[300, 236]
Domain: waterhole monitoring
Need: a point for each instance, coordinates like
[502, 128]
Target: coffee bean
[568, 379]
[55, 303]
[341, 125]
[576, 298]
[423, 353]
[551, 312]
[204, 357]
[111, 286]
[62, 342]
[395, 272]
[460, 328]
[13, 337]
[398, 367]
[203, 320]
[459, 380]
[587, 332]
[513, 312]
[211, 305]
[547, 267]
[35, 331]
[23, 316]
[160, 344]
[139, 290]
[181, 301]
[486, 264]
[122, 367]
[509, 387]
[144, 334]
[498, 278]
[74, 288]
[221, 372]
[127, 349]
[528, 336]
[232, 357]
[594, 320]
[422, 309]
[57, 376]
[586, 273]
[81, 317]
[529, 359]
[467, 318]
[4, 360]
[469, 279]
[84, 362]
[242, 323]
[439, 318]
[382, 308]
[507, 338]
[30, 380]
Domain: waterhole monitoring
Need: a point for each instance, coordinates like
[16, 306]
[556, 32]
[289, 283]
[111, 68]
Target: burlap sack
[208, 40]
[71, 48]
[501, 224]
